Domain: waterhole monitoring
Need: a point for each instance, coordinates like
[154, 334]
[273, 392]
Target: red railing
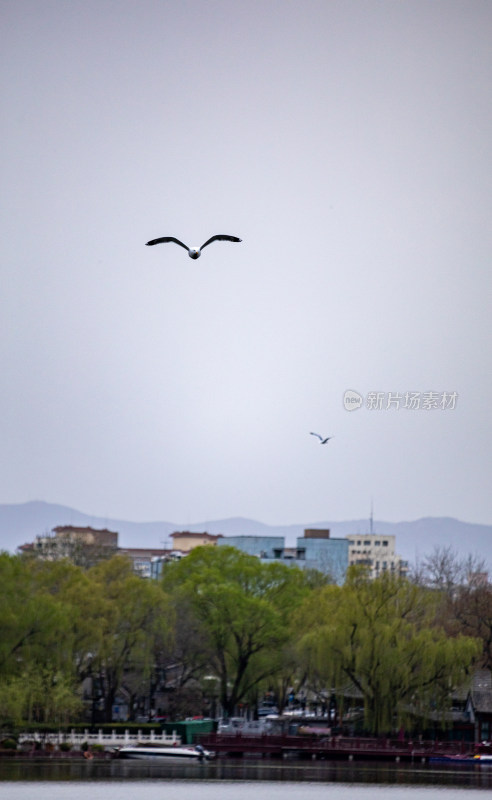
[337, 744]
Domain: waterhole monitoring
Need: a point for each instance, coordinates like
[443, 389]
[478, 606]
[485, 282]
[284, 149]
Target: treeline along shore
[222, 631]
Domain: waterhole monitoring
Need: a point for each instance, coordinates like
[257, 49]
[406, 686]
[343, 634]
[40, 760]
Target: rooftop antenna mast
[371, 519]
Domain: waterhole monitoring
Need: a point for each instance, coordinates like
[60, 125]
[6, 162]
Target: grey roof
[481, 691]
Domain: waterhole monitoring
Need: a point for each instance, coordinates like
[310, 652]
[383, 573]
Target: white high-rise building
[376, 552]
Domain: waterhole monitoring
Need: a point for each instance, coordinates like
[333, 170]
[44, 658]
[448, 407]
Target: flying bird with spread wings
[195, 252]
[322, 439]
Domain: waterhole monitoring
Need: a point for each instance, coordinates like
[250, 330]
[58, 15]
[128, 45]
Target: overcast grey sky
[348, 143]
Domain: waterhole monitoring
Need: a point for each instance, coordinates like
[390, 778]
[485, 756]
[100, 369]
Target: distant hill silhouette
[21, 523]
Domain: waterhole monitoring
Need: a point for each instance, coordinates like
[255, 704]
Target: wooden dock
[335, 748]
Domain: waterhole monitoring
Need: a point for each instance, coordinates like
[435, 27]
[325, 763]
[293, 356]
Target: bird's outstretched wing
[168, 239]
[220, 237]
[317, 434]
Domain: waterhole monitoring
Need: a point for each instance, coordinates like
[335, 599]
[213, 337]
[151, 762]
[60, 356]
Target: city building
[184, 541]
[157, 562]
[377, 553]
[318, 550]
[315, 550]
[83, 546]
[264, 547]
[142, 558]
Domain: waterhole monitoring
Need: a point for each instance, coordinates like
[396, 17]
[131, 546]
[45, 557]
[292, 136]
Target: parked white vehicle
[247, 727]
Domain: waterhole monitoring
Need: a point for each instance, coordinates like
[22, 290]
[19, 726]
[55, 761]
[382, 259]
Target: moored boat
[174, 753]
[462, 759]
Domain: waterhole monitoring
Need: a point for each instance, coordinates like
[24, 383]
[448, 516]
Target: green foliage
[378, 637]
[38, 694]
[12, 700]
[33, 623]
[35, 654]
[232, 628]
[244, 607]
[8, 744]
[60, 624]
[124, 620]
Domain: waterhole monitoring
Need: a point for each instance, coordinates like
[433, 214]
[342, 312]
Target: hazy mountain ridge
[21, 523]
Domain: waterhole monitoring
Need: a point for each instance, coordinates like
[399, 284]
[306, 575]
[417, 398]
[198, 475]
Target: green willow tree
[130, 617]
[379, 637]
[244, 607]
[36, 674]
[29, 618]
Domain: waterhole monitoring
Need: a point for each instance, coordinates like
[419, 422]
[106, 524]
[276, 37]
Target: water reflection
[472, 775]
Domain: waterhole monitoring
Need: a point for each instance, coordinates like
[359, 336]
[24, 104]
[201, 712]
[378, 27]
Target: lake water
[239, 780]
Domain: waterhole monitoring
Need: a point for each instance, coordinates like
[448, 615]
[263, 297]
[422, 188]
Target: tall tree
[35, 632]
[243, 607]
[463, 593]
[444, 570]
[130, 615]
[31, 620]
[379, 636]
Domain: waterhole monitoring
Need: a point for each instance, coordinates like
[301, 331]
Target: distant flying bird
[321, 439]
[195, 252]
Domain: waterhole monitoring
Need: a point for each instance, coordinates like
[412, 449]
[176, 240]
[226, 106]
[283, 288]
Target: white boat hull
[171, 754]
